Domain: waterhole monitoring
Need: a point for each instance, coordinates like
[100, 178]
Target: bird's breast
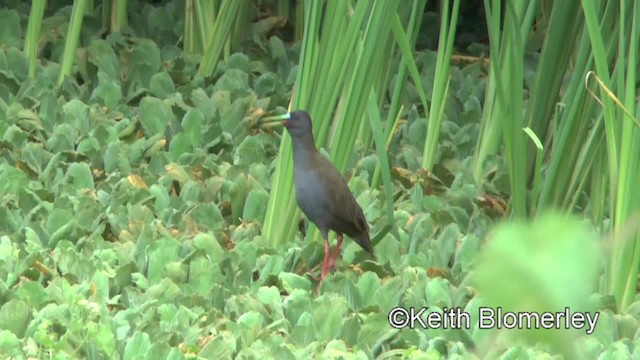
[311, 195]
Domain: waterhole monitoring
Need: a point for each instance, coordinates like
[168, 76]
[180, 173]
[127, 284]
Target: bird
[321, 191]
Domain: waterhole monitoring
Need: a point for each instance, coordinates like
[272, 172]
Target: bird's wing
[349, 217]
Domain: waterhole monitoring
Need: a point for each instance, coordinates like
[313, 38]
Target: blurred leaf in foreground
[546, 266]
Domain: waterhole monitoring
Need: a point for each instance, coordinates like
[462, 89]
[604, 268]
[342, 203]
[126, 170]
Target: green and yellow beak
[271, 121]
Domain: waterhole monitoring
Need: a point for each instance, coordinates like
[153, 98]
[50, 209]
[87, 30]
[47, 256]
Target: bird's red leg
[327, 251]
[332, 258]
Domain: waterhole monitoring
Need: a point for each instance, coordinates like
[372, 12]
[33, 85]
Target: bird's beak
[271, 121]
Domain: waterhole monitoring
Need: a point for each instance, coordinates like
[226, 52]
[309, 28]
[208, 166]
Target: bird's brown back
[347, 215]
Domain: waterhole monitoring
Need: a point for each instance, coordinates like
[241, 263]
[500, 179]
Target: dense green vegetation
[494, 147]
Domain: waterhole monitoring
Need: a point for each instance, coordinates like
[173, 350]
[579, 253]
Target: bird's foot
[330, 265]
[313, 272]
[325, 262]
[332, 258]
[319, 279]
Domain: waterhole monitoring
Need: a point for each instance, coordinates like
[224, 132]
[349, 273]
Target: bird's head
[297, 123]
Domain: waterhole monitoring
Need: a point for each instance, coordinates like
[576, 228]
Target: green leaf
[174, 354]
[124, 128]
[105, 338]
[108, 91]
[617, 351]
[439, 292]
[270, 296]
[351, 330]
[11, 34]
[9, 343]
[606, 331]
[155, 115]
[532, 264]
[292, 282]
[249, 151]
[6, 252]
[161, 85]
[145, 62]
[232, 120]
[467, 252]
[165, 291]
[446, 244]
[102, 55]
[375, 330]
[9, 220]
[158, 350]
[209, 243]
[190, 193]
[387, 250]
[255, 205]
[207, 216]
[328, 312]
[278, 50]
[15, 136]
[62, 139]
[76, 113]
[238, 61]
[137, 346]
[304, 332]
[90, 147]
[238, 194]
[208, 106]
[250, 324]
[15, 316]
[192, 125]
[33, 293]
[11, 179]
[233, 80]
[296, 304]
[203, 273]
[273, 265]
[266, 85]
[33, 154]
[33, 241]
[17, 62]
[147, 53]
[178, 173]
[223, 346]
[368, 285]
[58, 218]
[390, 294]
[79, 174]
[161, 253]
[180, 144]
[115, 159]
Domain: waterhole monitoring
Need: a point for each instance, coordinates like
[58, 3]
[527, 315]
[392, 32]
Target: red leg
[327, 256]
[327, 251]
[332, 259]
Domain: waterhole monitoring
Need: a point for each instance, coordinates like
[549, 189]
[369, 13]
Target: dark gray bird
[321, 192]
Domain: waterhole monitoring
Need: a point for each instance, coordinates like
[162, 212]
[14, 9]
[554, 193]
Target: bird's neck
[304, 147]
